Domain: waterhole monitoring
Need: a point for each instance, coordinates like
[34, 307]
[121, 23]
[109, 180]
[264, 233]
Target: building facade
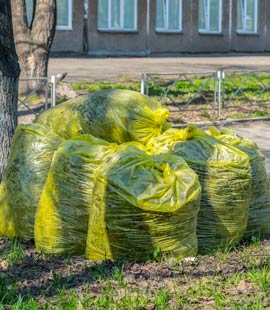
[145, 27]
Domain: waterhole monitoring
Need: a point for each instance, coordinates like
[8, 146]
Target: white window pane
[129, 14]
[202, 14]
[103, 14]
[115, 14]
[240, 13]
[214, 15]
[174, 14]
[250, 16]
[29, 11]
[160, 14]
[62, 9]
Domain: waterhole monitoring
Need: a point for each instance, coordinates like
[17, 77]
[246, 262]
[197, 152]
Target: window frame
[244, 18]
[207, 29]
[122, 27]
[166, 29]
[70, 13]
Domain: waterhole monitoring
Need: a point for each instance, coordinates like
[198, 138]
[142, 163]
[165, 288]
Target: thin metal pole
[223, 88]
[53, 90]
[142, 83]
[215, 90]
[147, 85]
[219, 93]
[46, 94]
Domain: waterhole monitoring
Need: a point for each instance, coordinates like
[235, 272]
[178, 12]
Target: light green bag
[141, 204]
[30, 158]
[224, 174]
[259, 209]
[113, 115]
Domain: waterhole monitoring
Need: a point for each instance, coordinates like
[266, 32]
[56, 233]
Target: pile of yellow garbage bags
[104, 175]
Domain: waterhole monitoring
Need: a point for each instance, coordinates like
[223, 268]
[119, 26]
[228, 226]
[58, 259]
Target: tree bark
[33, 42]
[9, 75]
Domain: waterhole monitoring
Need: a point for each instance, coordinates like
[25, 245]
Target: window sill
[61, 28]
[118, 30]
[160, 31]
[243, 33]
[210, 33]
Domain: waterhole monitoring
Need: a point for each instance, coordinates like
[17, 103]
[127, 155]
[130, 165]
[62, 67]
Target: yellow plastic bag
[113, 115]
[259, 209]
[224, 174]
[143, 203]
[62, 216]
[65, 119]
[30, 158]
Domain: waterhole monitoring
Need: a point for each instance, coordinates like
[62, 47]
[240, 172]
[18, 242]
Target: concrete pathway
[93, 69]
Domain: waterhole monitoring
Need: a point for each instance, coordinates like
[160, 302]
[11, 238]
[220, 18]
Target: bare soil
[42, 276]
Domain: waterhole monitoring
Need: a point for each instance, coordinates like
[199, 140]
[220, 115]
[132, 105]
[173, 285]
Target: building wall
[120, 42]
[160, 42]
[267, 26]
[205, 42]
[71, 40]
[146, 40]
[251, 42]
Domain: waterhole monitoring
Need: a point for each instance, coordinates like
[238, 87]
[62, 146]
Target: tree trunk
[9, 75]
[33, 42]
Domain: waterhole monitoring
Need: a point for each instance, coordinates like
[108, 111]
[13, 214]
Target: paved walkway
[93, 69]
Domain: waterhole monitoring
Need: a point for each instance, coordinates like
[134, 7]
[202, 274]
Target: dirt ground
[196, 280]
[94, 69]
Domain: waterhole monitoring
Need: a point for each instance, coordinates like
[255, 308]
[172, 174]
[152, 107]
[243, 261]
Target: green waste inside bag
[62, 217]
[259, 209]
[30, 158]
[142, 203]
[224, 174]
[113, 115]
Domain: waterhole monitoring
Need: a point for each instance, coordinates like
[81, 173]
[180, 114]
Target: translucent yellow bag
[224, 174]
[30, 158]
[113, 115]
[62, 216]
[259, 209]
[143, 203]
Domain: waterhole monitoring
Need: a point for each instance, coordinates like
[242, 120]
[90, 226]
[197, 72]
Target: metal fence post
[46, 93]
[53, 90]
[142, 83]
[223, 89]
[147, 84]
[219, 73]
[215, 89]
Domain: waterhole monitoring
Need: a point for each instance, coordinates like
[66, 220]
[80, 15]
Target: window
[169, 15]
[117, 15]
[63, 12]
[247, 11]
[210, 16]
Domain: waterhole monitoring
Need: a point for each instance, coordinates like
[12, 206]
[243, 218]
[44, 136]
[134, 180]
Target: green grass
[185, 94]
[254, 114]
[96, 86]
[260, 276]
[208, 281]
[16, 252]
[33, 99]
